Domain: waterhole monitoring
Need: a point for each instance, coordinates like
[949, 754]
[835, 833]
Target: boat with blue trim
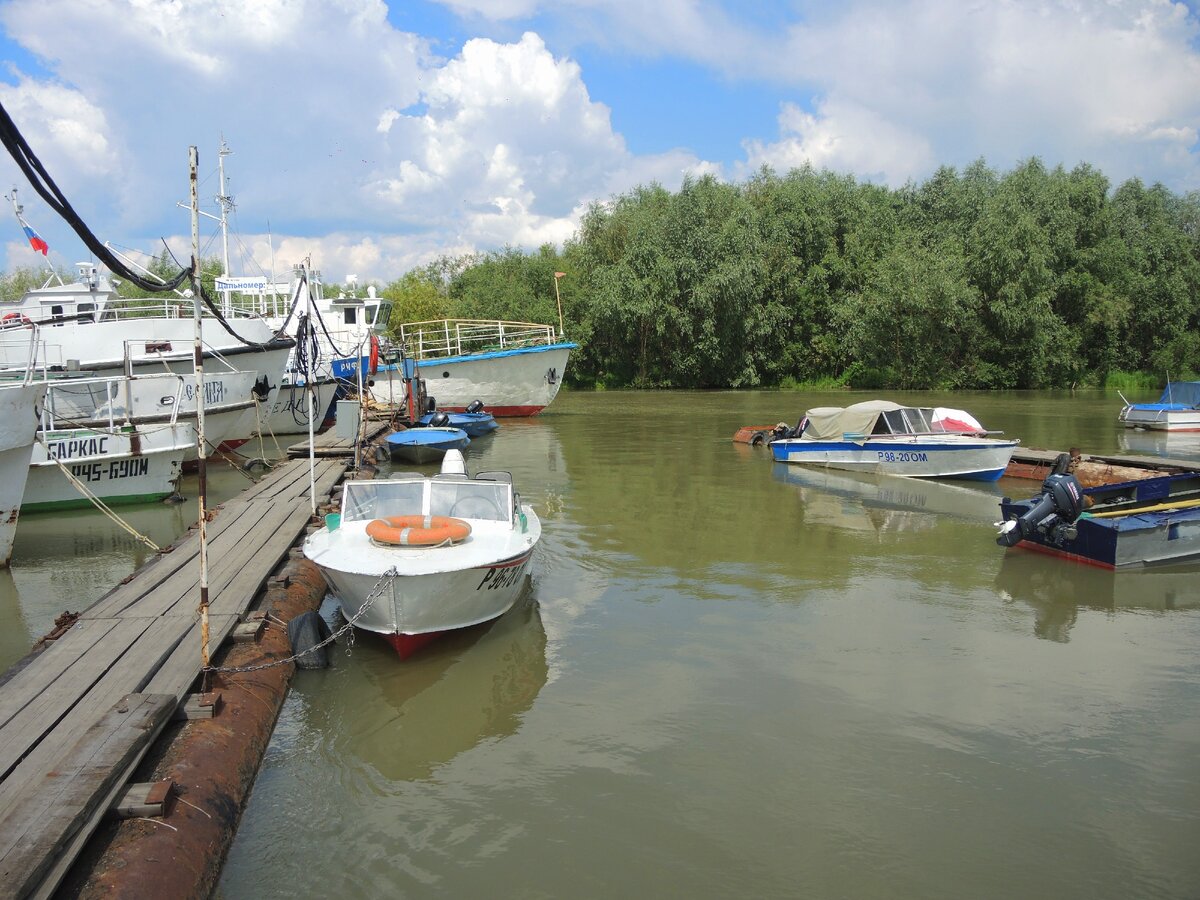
[1178, 409]
[476, 422]
[514, 368]
[425, 445]
[884, 437]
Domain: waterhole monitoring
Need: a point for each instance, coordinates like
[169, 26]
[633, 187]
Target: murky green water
[732, 678]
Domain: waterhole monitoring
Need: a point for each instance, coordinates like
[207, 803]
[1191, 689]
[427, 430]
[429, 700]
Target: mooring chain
[385, 581]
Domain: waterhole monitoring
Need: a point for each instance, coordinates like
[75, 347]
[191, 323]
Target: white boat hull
[1157, 419]
[518, 382]
[908, 457]
[123, 467]
[18, 425]
[288, 413]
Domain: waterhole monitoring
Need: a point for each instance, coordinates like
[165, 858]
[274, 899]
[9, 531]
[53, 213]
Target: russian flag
[35, 239]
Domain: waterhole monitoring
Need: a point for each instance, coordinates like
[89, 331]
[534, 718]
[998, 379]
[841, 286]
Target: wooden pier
[77, 717]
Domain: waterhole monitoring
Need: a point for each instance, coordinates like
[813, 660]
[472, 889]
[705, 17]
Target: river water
[733, 678]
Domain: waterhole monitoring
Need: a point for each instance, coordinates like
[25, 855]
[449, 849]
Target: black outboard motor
[430, 404]
[475, 406]
[1053, 513]
[439, 420]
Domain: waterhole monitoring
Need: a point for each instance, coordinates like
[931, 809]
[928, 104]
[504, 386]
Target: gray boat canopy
[877, 417]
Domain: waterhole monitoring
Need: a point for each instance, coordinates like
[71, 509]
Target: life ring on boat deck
[418, 531]
[373, 360]
[16, 318]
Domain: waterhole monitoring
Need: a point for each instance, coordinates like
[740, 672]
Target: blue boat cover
[1180, 395]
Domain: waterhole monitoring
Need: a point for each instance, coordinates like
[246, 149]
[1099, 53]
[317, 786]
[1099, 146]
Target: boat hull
[510, 383]
[288, 412]
[1139, 538]
[18, 425]
[118, 468]
[415, 609]
[425, 445]
[1161, 417]
[918, 457]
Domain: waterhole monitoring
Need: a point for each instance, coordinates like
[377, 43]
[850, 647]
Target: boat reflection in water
[1160, 443]
[1056, 591]
[886, 503]
[472, 686]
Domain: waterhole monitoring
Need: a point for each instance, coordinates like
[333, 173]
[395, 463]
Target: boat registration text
[120, 468]
[903, 456]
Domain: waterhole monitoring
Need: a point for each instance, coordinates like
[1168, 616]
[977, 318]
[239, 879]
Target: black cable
[37, 175]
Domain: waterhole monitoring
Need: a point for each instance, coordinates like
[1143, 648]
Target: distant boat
[887, 438]
[1178, 409]
[412, 557]
[514, 368]
[475, 422]
[425, 445]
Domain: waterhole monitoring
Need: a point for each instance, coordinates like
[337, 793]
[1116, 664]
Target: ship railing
[461, 337]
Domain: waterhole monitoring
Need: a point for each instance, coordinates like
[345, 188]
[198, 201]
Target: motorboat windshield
[488, 497]
[882, 418]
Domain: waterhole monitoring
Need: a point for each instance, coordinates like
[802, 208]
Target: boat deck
[78, 716]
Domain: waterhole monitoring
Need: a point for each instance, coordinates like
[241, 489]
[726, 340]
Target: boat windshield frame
[486, 498]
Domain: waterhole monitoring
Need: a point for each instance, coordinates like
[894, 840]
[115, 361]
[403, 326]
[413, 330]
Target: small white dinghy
[411, 556]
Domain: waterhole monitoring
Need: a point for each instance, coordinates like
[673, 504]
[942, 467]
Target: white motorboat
[412, 557]
[1178, 409]
[887, 438]
[18, 424]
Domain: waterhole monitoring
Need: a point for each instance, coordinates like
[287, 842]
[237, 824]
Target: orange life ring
[418, 531]
[374, 359]
[24, 320]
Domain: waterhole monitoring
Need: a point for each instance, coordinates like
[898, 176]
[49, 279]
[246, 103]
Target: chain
[384, 582]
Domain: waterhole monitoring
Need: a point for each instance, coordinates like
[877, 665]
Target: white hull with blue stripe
[881, 437]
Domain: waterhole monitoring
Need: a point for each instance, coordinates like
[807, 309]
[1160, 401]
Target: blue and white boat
[1128, 524]
[475, 422]
[884, 437]
[1178, 409]
[425, 445]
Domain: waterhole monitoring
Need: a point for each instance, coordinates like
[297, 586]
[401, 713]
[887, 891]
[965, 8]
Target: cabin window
[918, 423]
[891, 422]
[86, 312]
[56, 314]
[350, 315]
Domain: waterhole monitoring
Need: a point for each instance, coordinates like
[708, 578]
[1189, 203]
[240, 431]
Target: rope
[385, 580]
[98, 503]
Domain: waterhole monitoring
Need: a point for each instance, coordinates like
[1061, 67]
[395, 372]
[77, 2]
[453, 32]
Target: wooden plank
[143, 799]
[179, 671]
[57, 806]
[183, 558]
[240, 521]
[31, 682]
[40, 716]
[126, 675]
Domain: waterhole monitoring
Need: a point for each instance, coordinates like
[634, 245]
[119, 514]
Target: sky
[371, 137]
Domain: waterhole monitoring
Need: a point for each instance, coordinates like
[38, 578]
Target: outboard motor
[439, 420]
[475, 406]
[430, 403]
[1053, 514]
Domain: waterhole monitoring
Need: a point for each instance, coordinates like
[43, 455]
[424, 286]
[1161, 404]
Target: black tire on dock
[758, 439]
[304, 633]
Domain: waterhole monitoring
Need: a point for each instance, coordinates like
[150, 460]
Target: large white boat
[18, 424]
[1178, 409]
[412, 557]
[157, 399]
[87, 327]
[885, 437]
[513, 368]
[125, 464]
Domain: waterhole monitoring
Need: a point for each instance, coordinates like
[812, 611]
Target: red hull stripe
[1054, 551]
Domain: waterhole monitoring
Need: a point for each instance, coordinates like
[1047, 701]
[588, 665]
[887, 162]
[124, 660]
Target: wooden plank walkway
[65, 748]
[329, 445]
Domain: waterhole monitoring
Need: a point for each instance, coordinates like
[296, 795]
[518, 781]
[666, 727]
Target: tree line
[1034, 278]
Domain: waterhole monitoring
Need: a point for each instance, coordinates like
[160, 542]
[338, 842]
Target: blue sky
[371, 137]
